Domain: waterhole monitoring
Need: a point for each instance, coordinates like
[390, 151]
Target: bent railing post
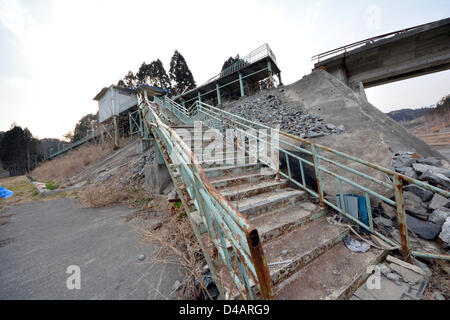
[401, 215]
[261, 268]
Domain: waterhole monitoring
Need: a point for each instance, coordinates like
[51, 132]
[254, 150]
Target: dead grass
[24, 191]
[179, 245]
[70, 164]
[439, 280]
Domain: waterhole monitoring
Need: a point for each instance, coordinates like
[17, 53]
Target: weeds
[68, 165]
[51, 185]
[176, 239]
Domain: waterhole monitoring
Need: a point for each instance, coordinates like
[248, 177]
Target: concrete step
[242, 191]
[228, 170]
[300, 246]
[274, 224]
[270, 201]
[336, 274]
[202, 144]
[241, 178]
[223, 162]
[224, 156]
[198, 220]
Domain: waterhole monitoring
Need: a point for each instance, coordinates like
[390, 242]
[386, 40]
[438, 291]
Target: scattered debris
[136, 168]
[438, 296]
[355, 245]
[141, 257]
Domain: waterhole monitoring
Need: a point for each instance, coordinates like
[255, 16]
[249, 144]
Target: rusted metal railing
[360, 43]
[221, 119]
[235, 240]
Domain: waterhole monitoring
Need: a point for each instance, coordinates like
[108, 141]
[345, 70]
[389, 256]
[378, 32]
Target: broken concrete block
[439, 201]
[393, 276]
[424, 229]
[444, 236]
[172, 196]
[407, 275]
[437, 179]
[380, 221]
[424, 194]
[407, 171]
[435, 162]
[404, 264]
[439, 215]
[384, 269]
[388, 210]
[422, 168]
[414, 206]
[402, 162]
[157, 178]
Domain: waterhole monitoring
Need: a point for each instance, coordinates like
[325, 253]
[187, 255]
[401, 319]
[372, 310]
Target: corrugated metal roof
[153, 89]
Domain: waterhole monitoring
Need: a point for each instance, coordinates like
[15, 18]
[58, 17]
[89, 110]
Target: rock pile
[427, 212]
[291, 118]
[136, 168]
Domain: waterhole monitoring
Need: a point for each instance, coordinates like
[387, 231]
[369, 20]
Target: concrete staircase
[306, 255]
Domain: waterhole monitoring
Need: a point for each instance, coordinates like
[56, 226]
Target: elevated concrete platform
[237, 80]
[391, 57]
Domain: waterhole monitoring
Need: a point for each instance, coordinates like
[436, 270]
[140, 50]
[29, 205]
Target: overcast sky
[56, 55]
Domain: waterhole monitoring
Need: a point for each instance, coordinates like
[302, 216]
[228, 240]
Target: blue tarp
[356, 206]
[5, 193]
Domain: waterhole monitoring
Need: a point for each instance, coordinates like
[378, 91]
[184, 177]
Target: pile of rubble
[428, 213]
[136, 168]
[291, 118]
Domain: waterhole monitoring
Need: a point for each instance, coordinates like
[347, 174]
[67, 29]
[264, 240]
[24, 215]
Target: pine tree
[121, 84]
[153, 74]
[130, 80]
[180, 75]
[84, 126]
[231, 61]
[18, 150]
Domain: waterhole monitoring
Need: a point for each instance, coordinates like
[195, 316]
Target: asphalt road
[42, 239]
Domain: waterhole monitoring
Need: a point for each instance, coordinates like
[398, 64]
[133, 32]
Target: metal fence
[324, 165]
[75, 144]
[369, 41]
[257, 54]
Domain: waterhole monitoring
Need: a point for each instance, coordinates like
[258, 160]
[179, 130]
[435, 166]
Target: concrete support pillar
[269, 68]
[341, 73]
[241, 85]
[143, 145]
[158, 156]
[279, 78]
[131, 124]
[359, 89]
[219, 99]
